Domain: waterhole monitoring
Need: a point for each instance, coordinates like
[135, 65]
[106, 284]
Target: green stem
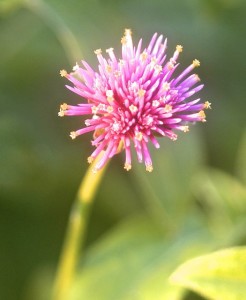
[76, 231]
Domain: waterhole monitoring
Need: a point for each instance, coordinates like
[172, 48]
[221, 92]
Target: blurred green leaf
[223, 201]
[219, 275]
[135, 260]
[241, 160]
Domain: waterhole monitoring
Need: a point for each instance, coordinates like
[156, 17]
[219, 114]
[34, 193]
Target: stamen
[110, 109]
[73, 135]
[110, 94]
[149, 168]
[179, 48]
[141, 93]
[127, 167]
[207, 105]
[196, 63]
[185, 128]
[168, 108]
[133, 108]
[63, 73]
[61, 113]
[143, 56]
[98, 51]
[202, 115]
[110, 50]
[139, 136]
[155, 103]
[64, 106]
[90, 159]
[166, 86]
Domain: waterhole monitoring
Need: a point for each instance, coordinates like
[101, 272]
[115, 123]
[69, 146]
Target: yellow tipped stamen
[110, 50]
[133, 108]
[155, 103]
[61, 113]
[158, 68]
[117, 73]
[185, 128]
[149, 168]
[90, 159]
[110, 109]
[168, 108]
[63, 73]
[73, 135]
[108, 68]
[123, 40]
[141, 93]
[179, 48]
[94, 109]
[127, 167]
[98, 51]
[64, 106]
[166, 86]
[196, 63]
[207, 105]
[110, 95]
[128, 31]
[144, 56]
[202, 115]
[139, 136]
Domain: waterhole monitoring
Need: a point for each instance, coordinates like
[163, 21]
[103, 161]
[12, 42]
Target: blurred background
[198, 185]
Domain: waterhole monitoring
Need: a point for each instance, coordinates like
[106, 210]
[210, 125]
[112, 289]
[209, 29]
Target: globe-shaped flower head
[134, 100]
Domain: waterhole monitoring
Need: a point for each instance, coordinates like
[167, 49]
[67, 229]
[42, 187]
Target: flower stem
[76, 231]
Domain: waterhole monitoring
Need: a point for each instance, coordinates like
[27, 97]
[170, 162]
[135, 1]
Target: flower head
[134, 99]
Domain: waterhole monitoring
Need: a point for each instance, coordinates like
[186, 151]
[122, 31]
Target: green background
[41, 168]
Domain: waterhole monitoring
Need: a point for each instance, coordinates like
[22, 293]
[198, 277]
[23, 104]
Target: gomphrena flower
[133, 100]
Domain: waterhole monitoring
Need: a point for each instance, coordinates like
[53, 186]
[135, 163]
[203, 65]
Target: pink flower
[134, 100]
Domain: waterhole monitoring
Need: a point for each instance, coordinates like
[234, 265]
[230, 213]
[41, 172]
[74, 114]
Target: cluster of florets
[134, 100]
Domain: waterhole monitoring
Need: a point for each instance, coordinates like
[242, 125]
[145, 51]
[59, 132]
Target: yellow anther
[158, 68]
[166, 86]
[123, 40]
[202, 115]
[61, 113]
[196, 63]
[139, 136]
[207, 105]
[144, 56]
[73, 134]
[185, 128]
[109, 68]
[149, 168]
[141, 93]
[110, 109]
[133, 108]
[63, 73]
[90, 159]
[168, 108]
[94, 109]
[117, 73]
[179, 48]
[128, 31]
[110, 95]
[155, 103]
[64, 106]
[127, 167]
[110, 50]
[98, 51]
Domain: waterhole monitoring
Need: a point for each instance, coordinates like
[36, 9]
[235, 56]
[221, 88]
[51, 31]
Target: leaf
[219, 275]
[241, 160]
[134, 261]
